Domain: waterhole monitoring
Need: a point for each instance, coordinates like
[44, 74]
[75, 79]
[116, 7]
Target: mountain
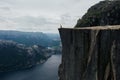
[55, 38]
[14, 56]
[28, 38]
[101, 14]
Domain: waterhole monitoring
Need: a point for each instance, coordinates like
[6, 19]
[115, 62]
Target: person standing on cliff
[60, 26]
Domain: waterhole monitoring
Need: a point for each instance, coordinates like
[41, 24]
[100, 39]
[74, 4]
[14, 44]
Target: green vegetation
[101, 14]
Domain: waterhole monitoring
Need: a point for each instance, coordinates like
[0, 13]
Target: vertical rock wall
[90, 54]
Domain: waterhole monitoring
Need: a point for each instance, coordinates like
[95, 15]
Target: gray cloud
[41, 15]
[5, 8]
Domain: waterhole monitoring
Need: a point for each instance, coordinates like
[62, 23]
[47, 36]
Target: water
[46, 71]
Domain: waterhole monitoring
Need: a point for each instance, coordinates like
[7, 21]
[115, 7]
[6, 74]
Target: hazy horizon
[31, 31]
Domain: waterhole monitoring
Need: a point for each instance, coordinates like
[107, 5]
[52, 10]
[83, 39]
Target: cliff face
[90, 53]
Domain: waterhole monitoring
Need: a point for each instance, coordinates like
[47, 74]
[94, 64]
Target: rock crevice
[90, 53]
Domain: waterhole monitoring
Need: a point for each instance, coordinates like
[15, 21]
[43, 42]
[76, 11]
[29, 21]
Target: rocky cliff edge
[90, 53]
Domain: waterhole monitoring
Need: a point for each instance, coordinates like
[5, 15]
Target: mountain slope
[14, 56]
[103, 13]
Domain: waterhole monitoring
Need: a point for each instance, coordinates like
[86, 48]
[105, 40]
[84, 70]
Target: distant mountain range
[31, 38]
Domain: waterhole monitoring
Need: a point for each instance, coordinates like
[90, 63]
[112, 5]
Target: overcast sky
[41, 15]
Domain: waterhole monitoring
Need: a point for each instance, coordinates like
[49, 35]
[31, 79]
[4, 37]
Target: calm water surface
[46, 71]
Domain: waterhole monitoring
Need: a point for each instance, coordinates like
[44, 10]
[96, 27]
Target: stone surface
[90, 53]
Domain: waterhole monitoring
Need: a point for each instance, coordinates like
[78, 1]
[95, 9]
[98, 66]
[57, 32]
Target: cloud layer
[41, 15]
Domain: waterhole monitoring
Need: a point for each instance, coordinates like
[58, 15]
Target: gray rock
[90, 53]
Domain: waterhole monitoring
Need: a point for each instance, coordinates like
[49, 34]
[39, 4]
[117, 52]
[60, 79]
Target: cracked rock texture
[91, 53]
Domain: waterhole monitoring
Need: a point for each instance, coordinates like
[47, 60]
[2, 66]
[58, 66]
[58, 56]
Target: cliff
[90, 53]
